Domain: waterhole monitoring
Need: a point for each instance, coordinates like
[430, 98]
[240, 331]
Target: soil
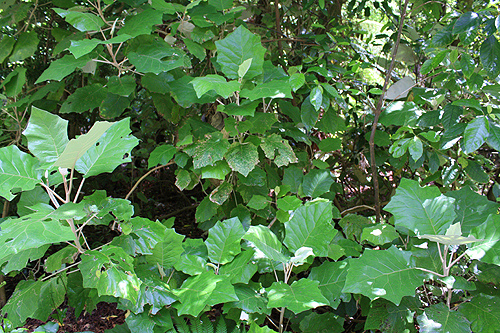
[104, 317]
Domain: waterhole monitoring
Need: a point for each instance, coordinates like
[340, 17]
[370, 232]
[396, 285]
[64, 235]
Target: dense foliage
[346, 155]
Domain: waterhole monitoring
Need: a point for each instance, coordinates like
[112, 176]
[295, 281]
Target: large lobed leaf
[310, 226]
[47, 136]
[18, 172]
[423, 210]
[300, 296]
[387, 274]
[483, 311]
[111, 149]
[236, 48]
[264, 240]
[223, 242]
[39, 228]
[111, 272]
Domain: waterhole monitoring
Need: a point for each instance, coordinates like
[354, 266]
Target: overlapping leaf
[237, 47]
[423, 210]
[386, 274]
[310, 226]
[18, 172]
[47, 136]
[224, 239]
[300, 296]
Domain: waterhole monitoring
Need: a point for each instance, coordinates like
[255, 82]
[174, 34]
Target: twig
[378, 111]
[145, 175]
[166, 216]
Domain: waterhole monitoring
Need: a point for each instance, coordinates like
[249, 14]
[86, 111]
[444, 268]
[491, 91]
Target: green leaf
[488, 249]
[244, 67]
[297, 80]
[47, 136]
[35, 299]
[271, 89]
[353, 225]
[331, 122]
[195, 49]
[84, 99]
[241, 269]
[288, 203]
[242, 157]
[18, 172]
[81, 21]
[331, 277]
[258, 202]
[6, 46]
[387, 317]
[205, 210]
[467, 64]
[475, 134]
[25, 293]
[158, 57]
[76, 148]
[443, 37]
[195, 293]
[122, 86]
[26, 46]
[141, 322]
[383, 273]
[265, 240]
[322, 323]
[316, 183]
[310, 226]
[111, 149]
[39, 228]
[223, 242]
[215, 82]
[472, 209]
[210, 151]
[14, 82]
[168, 251]
[468, 103]
[415, 148]
[284, 153]
[154, 291]
[61, 68]
[217, 171]
[221, 4]
[400, 114]
[161, 155]
[490, 56]
[250, 298]
[494, 137]
[111, 271]
[483, 312]
[245, 109]
[379, 234]
[439, 319]
[300, 296]
[31, 198]
[237, 47]
[18, 261]
[142, 23]
[57, 260]
[422, 210]
[113, 106]
[79, 48]
[316, 97]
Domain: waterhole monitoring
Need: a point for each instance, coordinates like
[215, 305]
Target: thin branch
[78, 191]
[145, 175]
[378, 111]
